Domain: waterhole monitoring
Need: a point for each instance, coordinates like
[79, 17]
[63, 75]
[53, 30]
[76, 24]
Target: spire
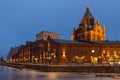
[88, 7]
[87, 13]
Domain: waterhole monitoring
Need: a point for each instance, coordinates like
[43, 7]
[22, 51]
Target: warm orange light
[115, 53]
[116, 56]
[36, 59]
[91, 57]
[100, 57]
[83, 57]
[108, 55]
[63, 54]
[103, 51]
[76, 56]
[93, 51]
[54, 56]
[26, 58]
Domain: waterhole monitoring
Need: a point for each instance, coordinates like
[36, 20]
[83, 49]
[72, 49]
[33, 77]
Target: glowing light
[91, 57]
[103, 51]
[76, 56]
[63, 54]
[54, 56]
[83, 57]
[108, 55]
[100, 57]
[93, 51]
[36, 59]
[116, 56]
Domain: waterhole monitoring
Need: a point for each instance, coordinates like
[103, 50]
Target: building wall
[75, 53]
[87, 53]
[50, 52]
[110, 53]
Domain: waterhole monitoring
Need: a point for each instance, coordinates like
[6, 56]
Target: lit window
[63, 55]
[103, 51]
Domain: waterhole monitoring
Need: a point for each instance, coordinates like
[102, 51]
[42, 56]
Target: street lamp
[93, 51]
[93, 55]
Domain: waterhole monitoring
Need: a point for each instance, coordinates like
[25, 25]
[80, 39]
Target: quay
[96, 68]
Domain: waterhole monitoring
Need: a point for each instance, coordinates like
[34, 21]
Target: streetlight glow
[63, 54]
[93, 51]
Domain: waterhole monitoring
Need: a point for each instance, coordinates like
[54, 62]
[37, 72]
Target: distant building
[1, 59]
[44, 34]
[13, 50]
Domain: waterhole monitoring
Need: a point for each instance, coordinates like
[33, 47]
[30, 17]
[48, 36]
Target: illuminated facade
[88, 45]
[59, 51]
[88, 29]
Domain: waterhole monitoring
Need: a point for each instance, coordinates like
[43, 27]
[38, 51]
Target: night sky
[21, 20]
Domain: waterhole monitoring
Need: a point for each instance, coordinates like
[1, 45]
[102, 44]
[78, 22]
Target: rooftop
[47, 32]
[63, 41]
[109, 42]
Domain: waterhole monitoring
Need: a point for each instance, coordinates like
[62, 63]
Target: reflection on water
[8, 73]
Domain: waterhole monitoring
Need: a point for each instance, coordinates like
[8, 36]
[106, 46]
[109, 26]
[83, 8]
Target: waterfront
[9, 73]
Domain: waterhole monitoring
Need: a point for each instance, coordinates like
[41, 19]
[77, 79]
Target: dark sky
[21, 20]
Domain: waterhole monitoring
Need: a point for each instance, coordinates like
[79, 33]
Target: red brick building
[86, 46]
[59, 51]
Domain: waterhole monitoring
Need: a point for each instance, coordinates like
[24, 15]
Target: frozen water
[9, 73]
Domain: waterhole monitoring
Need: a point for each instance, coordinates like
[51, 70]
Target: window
[64, 54]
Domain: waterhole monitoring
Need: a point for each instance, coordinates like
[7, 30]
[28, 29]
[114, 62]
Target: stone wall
[66, 68]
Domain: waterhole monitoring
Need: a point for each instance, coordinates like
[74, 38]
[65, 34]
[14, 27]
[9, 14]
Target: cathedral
[88, 45]
[89, 29]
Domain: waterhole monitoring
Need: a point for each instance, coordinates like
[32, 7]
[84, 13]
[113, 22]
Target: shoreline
[66, 68]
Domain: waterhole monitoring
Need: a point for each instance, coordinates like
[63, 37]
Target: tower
[89, 29]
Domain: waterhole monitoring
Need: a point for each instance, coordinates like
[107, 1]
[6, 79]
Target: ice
[9, 73]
